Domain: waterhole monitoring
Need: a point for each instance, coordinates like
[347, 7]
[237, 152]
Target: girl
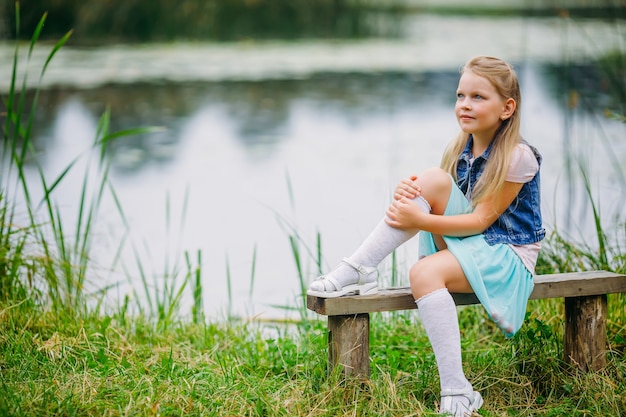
[481, 226]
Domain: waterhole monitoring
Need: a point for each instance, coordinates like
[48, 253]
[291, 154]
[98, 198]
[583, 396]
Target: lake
[263, 140]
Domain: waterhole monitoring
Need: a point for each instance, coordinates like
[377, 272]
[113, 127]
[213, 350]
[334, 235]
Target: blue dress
[499, 278]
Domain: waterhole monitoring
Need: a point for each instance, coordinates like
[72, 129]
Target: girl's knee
[435, 179]
[426, 276]
[419, 275]
[434, 171]
[436, 185]
[436, 271]
[414, 275]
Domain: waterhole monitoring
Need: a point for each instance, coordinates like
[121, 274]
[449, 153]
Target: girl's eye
[478, 97]
[459, 95]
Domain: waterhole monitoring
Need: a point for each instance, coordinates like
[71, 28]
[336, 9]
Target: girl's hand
[405, 214]
[407, 188]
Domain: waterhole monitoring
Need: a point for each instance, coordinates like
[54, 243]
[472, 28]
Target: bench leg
[349, 344]
[585, 332]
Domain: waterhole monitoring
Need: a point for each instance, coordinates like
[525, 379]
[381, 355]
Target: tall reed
[42, 254]
[16, 145]
[164, 291]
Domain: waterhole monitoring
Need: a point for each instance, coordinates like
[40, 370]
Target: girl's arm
[404, 214]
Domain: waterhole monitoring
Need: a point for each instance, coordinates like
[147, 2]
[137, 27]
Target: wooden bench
[585, 295]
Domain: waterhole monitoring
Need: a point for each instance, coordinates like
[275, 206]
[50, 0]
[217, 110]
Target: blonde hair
[502, 76]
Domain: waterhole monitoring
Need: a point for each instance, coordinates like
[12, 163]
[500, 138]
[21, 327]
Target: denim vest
[520, 224]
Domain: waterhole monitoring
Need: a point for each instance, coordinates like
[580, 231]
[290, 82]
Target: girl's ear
[509, 108]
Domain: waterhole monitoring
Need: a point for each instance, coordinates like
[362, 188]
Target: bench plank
[571, 284]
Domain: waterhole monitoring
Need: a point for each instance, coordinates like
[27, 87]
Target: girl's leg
[358, 272]
[431, 278]
[384, 239]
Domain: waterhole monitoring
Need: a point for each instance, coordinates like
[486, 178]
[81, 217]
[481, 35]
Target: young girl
[481, 226]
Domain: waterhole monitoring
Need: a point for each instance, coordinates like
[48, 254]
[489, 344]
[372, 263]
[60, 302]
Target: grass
[62, 354]
[105, 366]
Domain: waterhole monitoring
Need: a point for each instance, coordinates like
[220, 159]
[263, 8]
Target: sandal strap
[333, 281]
[459, 391]
[363, 271]
[328, 279]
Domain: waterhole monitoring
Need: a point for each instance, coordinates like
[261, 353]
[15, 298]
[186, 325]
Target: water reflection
[258, 112]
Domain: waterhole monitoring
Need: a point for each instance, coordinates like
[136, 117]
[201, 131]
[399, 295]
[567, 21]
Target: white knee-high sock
[383, 240]
[439, 317]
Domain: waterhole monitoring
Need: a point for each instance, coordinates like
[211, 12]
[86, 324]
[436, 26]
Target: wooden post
[349, 344]
[585, 332]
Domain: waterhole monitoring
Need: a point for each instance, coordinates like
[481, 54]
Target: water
[267, 138]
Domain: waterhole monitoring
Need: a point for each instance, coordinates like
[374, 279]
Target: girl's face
[479, 108]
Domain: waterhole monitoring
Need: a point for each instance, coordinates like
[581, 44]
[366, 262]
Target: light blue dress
[497, 275]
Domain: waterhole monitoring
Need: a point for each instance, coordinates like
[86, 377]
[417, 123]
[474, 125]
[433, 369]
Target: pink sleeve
[524, 165]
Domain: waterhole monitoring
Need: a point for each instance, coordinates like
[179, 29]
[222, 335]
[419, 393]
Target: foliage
[36, 242]
[158, 20]
[98, 21]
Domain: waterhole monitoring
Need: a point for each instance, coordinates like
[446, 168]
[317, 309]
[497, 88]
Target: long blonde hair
[502, 76]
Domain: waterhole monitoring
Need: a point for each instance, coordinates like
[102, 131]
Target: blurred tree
[158, 20]
[61, 16]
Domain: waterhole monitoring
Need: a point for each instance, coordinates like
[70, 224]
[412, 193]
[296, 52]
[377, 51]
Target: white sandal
[457, 409]
[327, 286]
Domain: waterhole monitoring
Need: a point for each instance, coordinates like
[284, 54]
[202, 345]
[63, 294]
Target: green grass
[102, 365]
[64, 353]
